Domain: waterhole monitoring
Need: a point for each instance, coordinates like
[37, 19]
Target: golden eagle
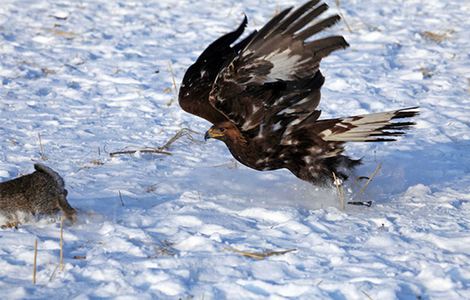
[261, 95]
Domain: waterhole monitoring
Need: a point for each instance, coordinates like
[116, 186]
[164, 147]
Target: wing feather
[275, 67]
[197, 82]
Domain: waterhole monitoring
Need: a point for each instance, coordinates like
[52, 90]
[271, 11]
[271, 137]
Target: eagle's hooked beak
[213, 133]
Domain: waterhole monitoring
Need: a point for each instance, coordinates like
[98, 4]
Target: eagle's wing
[277, 73]
[197, 82]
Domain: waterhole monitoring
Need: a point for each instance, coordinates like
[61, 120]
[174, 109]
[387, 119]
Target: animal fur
[40, 193]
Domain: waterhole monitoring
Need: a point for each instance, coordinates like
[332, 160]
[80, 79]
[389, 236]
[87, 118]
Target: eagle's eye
[222, 129]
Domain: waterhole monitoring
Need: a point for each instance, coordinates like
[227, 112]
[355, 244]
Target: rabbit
[42, 192]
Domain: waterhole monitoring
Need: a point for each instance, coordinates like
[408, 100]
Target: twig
[54, 273]
[120, 198]
[367, 295]
[369, 179]
[339, 190]
[338, 4]
[61, 260]
[41, 148]
[182, 132]
[437, 37]
[60, 266]
[259, 255]
[363, 203]
[144, 150]
[165, 248]
[160, 150]
[35, 260]
[175, 88]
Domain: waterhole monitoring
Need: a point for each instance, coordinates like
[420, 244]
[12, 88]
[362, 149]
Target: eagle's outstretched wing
[199, 78]
[262, 94]
[277, 72]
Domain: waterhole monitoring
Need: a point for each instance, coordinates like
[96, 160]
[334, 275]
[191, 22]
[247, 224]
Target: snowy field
[92, 77]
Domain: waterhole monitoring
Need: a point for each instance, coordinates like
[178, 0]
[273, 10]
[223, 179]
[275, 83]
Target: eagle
[261, 93]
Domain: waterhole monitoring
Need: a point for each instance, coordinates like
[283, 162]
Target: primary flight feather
[261, 94]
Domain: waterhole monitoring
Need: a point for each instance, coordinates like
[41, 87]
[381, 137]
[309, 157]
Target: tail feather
[377, 127]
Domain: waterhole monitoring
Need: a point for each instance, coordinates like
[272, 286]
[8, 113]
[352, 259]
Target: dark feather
[304, 21]
[314, 29]
[263, 92]
[194, 91]
[222, 44]
[296, 15]
[272, 23]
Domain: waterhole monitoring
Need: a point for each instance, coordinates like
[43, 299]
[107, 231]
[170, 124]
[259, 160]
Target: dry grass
[120, 198]
[184, 132]
[141, 150]
[367, 295]
[61, 256]
[64, 34]
[60, 267]
[151, 188]
[339, 191]
[91, 164]
[175, 87]
[35, 260]
[165, 248]
[437, 37]
[338, 5]
[48, 71]
[259, 255]
[369, 179]
[42, 152]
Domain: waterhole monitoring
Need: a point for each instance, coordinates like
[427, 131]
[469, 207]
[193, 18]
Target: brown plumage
[262, 94]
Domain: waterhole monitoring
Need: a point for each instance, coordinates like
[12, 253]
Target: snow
[93, 77]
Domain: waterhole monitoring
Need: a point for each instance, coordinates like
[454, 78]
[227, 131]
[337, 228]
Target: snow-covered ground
[95, 76]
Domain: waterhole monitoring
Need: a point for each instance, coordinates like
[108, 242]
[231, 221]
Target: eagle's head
[226, 132]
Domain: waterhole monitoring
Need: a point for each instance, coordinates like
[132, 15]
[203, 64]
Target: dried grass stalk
[338, 5]
[259, 255]
[42, 153]
[35, 260]
[184, 132]
[61, 260]
[339, 191]
[437, 37]
[142, 150]
[364, 187]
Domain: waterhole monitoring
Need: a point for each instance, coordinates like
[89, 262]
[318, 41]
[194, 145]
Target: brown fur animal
[40, 193]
